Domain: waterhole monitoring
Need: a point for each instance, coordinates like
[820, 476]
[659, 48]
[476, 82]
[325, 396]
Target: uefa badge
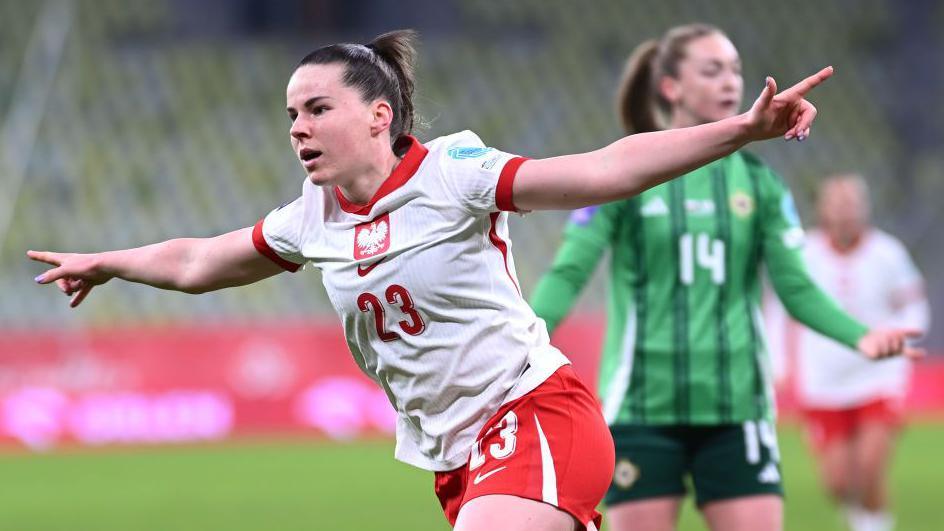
[372, 238]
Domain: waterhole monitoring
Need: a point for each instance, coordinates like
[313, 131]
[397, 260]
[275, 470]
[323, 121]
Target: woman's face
[844, 208]
[709, 86]
[331, 126]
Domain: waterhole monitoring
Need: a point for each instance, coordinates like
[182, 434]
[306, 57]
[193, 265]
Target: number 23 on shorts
[502, 449]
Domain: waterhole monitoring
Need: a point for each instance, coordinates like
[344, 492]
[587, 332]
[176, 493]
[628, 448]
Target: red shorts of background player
[550, 445]
[828, 426]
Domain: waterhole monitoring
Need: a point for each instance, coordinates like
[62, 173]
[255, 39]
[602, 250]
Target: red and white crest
[372, 237]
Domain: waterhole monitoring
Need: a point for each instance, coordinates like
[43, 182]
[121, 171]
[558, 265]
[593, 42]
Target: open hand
[74, 274]
[787, 113]
[884, 343]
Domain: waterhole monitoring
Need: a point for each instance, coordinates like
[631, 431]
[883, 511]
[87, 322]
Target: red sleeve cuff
[258, 240]
[506, 181]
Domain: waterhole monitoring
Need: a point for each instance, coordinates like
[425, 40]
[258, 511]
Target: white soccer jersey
[878, 284]
[424, 282]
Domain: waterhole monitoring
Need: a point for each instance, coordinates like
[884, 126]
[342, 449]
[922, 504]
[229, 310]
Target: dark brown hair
[381, 69]
[640, 105]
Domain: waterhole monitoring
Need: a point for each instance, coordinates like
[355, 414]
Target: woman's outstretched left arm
[638, 162]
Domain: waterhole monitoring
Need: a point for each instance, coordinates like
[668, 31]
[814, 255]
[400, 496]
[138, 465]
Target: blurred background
[126, 122]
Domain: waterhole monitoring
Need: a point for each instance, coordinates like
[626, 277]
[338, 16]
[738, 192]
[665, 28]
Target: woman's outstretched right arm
[191, 265]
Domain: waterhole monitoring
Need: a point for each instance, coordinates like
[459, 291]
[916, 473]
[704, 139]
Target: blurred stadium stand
[165, 119]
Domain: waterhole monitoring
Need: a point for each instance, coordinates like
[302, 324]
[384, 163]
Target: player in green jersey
[683, 376]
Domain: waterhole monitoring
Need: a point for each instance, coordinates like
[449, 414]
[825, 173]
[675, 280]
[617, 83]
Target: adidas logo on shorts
[769, 474]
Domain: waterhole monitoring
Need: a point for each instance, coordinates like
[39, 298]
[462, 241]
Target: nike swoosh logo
[362, 271]
[482, 477]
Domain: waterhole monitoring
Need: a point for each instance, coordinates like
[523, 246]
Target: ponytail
[634, 99]
[397, 50]
[381, 69]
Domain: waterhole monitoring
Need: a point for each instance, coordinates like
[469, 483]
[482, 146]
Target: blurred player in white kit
[852, 406]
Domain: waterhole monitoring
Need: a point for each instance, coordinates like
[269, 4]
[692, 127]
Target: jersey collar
[415, 153]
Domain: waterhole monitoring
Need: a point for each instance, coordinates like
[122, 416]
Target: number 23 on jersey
[398, 296]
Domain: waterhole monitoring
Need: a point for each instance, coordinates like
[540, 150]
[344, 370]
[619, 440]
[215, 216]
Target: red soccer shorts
[827, 426]
[550, 445]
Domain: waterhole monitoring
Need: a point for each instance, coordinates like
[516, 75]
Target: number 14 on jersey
[703, 251]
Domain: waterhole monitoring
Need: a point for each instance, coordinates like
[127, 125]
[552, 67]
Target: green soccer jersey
[684, 341]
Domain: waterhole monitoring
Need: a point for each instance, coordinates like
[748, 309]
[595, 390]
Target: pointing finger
[45, 257]
[803, 87]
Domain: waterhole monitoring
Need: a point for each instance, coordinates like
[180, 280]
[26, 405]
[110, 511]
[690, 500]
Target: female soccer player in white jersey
[412, 242]
[852, 406]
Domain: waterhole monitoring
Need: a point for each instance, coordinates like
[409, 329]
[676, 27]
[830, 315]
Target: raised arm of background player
[591, 232]
[587, 235]
[781, 241]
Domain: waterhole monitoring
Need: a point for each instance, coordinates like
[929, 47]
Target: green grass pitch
[300, 484]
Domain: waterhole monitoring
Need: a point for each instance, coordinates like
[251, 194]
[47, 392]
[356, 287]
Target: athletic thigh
[877, 426]
[512, 513]
[749, 513]
[873, 446]
[836, 467]
[654, 514]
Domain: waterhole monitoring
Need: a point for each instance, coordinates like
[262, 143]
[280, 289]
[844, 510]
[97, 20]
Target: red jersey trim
[506, 181]
[501, 246]
[407, 167]
[258, 240]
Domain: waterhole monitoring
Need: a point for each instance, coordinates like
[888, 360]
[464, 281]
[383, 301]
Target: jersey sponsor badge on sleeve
[372, 237]
[789, 210]
[490, 163]
[793, 237]
[460, 153]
